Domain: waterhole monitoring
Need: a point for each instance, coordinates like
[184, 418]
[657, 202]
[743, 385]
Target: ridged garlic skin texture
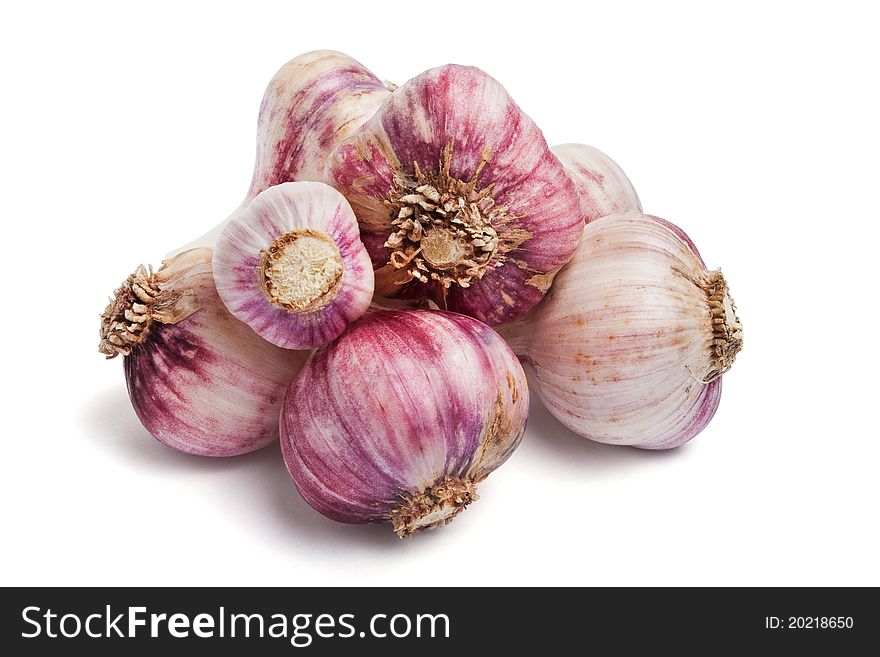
[207, 385]
[313, 102]
[620, 346]
[601, 184]
[460, 118]
[401, 401]
[292, 208]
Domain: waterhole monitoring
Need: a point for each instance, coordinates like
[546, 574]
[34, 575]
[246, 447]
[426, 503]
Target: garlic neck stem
[208, 239]
[434, 507]
[301, 271]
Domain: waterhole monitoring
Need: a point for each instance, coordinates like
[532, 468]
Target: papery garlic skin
[400, 418]
[629, 346]
[458, 195]
[601, 184]
[314, 102]
[291, 265]
[200, 381]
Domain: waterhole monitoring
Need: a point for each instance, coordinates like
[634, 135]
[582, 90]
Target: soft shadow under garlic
[549, 438]
[110, 419]
[298, 522]
[257, 491]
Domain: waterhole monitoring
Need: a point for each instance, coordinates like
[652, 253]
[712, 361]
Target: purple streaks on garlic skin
[326, 280]
[430, 123]
[312, 103]
[683, 236]
[365, 182]
[207, 385]
[402, 400]
[601, 184]
[167, 386]
[697, 417]
[509, 285]
[375, 246]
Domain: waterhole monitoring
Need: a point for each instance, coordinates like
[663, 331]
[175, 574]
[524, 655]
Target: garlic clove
[291, 265]
[601, 184]
[200, 381]
[629, 346]
[401, 417]
[486, 177]
[314, 102]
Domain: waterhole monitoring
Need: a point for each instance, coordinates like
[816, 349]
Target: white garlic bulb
[630, 343]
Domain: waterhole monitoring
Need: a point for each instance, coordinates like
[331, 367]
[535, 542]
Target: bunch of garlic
[443, 194]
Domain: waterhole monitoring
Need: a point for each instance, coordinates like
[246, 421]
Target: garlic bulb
[313, 102]
[291, 265]
[630, 344]
[401, 417]
[200, 380]
[458, 196]
[601, 184]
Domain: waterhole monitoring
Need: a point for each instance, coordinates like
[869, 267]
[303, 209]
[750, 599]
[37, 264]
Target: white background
[129, 129]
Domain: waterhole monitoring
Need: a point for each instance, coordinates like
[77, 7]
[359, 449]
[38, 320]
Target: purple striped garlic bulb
[200, 381]
[458, 195]
[400, 418]
[601, 184]
[631, 342]
[314, 102]
[291, 265]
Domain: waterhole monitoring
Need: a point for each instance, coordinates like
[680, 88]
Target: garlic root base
[434, 507]
[301, 271]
